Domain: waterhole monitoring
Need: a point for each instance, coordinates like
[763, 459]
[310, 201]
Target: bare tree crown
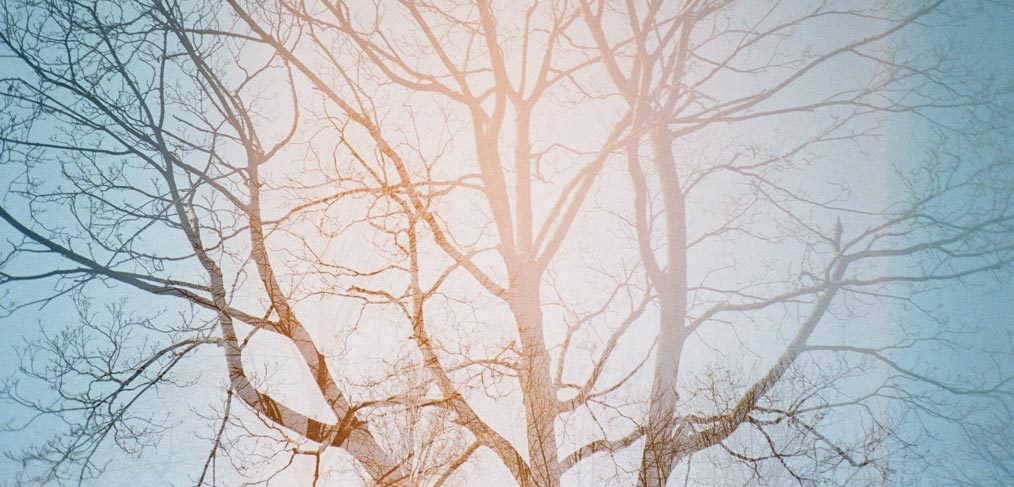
[583, 242]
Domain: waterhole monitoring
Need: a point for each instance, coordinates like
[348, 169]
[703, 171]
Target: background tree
[582, 240]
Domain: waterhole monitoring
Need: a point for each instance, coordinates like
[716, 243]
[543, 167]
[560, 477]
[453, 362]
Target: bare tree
[667, 74]
[434, 236]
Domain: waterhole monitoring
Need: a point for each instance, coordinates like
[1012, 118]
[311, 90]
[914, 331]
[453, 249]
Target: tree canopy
[557, 242]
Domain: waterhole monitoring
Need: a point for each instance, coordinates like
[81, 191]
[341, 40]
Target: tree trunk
[538, 392]
[661, 447]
